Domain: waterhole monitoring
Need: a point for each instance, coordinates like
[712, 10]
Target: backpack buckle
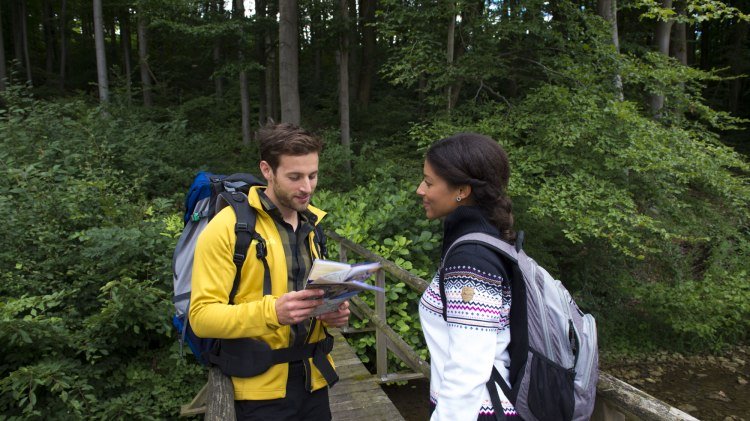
[260, 249]
[241, 226]
[238, 258]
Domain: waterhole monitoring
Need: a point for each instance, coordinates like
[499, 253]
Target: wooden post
[220, 399]
[342, 252]
[381, 344]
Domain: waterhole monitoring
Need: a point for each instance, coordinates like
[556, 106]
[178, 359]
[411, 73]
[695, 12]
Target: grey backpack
[554, 359]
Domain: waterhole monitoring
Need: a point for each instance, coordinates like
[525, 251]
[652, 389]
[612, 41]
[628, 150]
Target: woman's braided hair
[479, 161]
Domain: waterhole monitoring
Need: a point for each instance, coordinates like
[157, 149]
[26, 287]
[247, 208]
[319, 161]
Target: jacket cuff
[269, 308]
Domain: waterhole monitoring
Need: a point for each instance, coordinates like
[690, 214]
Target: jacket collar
[464, 220]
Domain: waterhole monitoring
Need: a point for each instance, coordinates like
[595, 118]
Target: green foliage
[86, 281]
[391, 225]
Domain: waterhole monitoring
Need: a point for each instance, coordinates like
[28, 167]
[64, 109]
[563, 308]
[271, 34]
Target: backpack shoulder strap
[320, 240]
[494, 243]
[244, 229]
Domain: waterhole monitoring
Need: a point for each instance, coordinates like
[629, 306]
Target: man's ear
[265, 169]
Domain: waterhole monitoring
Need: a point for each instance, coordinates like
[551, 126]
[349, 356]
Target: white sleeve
[477, 310]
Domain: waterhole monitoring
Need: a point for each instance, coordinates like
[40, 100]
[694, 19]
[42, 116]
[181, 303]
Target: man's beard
[286, 200]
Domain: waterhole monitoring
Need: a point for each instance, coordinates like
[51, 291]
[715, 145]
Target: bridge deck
[357, 395]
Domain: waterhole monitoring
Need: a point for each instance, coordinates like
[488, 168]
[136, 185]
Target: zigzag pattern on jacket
[487, 309]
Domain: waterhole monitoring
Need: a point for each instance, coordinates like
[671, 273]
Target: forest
[626, 124]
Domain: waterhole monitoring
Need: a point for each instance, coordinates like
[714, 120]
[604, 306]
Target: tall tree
[260, 57]
[450, 50]
[661, 40]
[271, 63]
[344, 84]
[217, 14]
[63, 43]
[125, 40]
[679, 35]
[607, 9]
[101, 53]
[3, 68]
[368, 60]
[146, 85]
[49, 38]
[239, 15]
[739, 63]
[289, 62]
[21, 37]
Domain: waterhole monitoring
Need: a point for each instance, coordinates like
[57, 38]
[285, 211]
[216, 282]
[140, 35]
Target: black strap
[320, 356]
[320, 236]
[245, 231]
[441, 286]
[497, 404]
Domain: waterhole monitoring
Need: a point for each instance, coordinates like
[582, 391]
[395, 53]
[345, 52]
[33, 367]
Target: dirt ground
[710, 388]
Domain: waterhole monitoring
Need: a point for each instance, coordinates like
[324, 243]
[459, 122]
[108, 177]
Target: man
[295, 390]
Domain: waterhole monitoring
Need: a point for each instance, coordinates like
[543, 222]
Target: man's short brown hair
[285, 139]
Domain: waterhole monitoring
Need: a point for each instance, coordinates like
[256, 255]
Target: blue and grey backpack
[554, 358]
[208, 194]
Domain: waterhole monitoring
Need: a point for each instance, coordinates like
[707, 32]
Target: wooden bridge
[358, 396]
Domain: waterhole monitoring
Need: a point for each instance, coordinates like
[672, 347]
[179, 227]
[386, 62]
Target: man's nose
[306, 186]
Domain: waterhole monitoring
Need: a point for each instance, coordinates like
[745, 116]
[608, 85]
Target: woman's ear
[464, 192]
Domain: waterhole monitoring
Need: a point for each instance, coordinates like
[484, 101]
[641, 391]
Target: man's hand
[337, 318]
[296, 306]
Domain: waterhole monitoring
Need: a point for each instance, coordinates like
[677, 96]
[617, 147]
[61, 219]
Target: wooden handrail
[405, 276]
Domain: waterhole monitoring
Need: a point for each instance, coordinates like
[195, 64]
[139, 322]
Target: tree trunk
[101, 54]
[25, 41]
[239, 15]
[706, 35]
[218, 79]
[260, 57]
[607, 9]
[218, 10]
[15, 21]
[315, 42]
[344, 86]
[126, 48]
[272, 64]
[289, 62]
[450, 50]
[3, 68]
[63, 43]
[111, 27]
[143, 59]
[691, 41]
[661, 39]
[679, 44]
[736, 62]
[49, 38]
[367, 70]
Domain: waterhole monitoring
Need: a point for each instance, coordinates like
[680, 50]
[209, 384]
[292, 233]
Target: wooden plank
[357, 395]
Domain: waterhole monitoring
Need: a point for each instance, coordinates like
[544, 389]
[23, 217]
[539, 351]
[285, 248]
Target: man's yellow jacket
[252, 315]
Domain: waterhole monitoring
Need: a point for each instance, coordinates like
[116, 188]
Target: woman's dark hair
[479, 161]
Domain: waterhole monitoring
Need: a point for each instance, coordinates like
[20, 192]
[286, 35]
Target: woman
[465, 182]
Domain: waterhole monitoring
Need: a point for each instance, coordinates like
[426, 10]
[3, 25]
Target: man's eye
[294, 178]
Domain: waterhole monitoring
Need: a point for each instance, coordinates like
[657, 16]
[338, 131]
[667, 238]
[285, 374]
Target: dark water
[707, 387]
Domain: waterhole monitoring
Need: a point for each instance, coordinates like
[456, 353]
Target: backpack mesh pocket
[550, 395]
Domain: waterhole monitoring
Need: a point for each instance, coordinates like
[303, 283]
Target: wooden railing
[386, 339]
